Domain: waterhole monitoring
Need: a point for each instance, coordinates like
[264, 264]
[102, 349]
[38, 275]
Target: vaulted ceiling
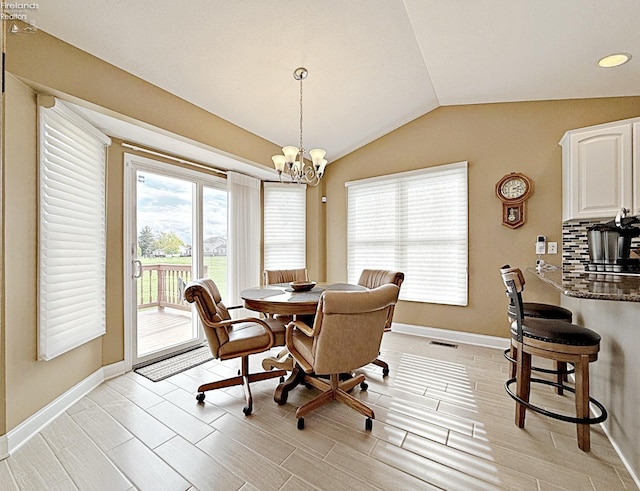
[373, 65]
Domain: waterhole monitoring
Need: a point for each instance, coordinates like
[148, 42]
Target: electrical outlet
[552, 248]
[541, 242]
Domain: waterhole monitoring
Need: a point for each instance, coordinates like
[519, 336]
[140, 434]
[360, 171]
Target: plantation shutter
[414, 222]
[284, 226]
[72, 236]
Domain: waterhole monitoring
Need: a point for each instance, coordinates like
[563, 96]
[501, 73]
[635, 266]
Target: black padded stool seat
[556, 331]
[546, 311]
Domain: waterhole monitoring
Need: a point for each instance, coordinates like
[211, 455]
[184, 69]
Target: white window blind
[284, 226]
[414, 222]
[72, 238]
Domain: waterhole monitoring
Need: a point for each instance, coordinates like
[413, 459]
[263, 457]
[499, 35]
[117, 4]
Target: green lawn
[215, 268]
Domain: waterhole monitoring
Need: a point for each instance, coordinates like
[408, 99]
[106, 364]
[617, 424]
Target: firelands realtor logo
[21, 16]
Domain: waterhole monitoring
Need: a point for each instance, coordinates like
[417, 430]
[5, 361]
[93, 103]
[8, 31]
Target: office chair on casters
[373, 278]
[346, 335]
[555, 340]
[229, 338]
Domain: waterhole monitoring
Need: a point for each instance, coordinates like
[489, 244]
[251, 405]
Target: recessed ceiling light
[616, 59]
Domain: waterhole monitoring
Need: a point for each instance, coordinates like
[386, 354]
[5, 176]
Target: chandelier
[292, 163]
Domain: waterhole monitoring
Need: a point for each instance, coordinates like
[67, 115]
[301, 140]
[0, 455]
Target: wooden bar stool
[538, 311]
[556, 340]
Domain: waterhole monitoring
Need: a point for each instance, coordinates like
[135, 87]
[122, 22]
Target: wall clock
[513, 190]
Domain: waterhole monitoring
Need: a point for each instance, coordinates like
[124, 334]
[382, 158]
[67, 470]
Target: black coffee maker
[610, 244]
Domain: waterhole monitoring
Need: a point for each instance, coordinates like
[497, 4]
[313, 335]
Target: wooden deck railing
[162, 285]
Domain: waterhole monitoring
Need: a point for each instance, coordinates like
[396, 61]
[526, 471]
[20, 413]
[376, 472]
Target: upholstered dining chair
[229, 338]
[555, 340]
[373, 278]
[346, 335]
[271, 276]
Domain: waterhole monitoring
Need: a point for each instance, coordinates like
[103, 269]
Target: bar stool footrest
[551, 414]
[507, 355]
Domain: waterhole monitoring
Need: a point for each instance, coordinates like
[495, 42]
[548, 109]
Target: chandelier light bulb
[317, 154]
[290, 153]
[278, 162]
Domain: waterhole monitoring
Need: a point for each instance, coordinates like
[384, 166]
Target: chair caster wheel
[385, 372]
[368, 424]
[364, 386]
[308, 386]
[246, 410]
[301, 423]
[281, 379]
[200, 397]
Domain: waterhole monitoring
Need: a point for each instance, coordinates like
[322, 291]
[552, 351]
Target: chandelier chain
[301, 149]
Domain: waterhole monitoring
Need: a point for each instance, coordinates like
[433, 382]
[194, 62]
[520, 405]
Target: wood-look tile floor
[443, 421]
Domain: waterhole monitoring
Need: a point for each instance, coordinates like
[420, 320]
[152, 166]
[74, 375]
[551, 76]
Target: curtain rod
[171, 157]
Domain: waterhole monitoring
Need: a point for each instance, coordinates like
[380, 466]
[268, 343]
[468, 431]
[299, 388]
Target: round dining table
[281, 298]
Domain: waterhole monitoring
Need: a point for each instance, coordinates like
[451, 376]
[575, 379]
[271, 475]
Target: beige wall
[43, 62]
[30, 384]
[495, 139]
[3, 396]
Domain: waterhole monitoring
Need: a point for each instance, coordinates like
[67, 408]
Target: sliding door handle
[137, 269]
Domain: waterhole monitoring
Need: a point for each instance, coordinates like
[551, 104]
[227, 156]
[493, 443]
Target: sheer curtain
[243, 252]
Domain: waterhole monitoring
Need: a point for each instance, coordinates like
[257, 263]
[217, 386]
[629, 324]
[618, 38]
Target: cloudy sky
[165, 205]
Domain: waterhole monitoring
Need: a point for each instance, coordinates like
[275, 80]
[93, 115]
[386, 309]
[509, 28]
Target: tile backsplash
[575, 245]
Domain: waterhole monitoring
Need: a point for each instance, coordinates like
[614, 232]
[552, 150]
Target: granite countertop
[586, 284]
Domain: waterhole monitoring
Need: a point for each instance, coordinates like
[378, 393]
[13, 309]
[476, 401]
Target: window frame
[290, 241]
[394, 215]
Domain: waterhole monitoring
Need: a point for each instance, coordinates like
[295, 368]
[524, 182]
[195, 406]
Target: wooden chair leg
[514, 356]
[383, 364]
[582, 402]
[354, 403]
[561, 377]
[523, 385]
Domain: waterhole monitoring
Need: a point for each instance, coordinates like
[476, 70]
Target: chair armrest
[302, 327]
[255, 320]
[300, 360]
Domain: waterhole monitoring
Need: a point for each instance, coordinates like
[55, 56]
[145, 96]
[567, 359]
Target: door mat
[166, 368]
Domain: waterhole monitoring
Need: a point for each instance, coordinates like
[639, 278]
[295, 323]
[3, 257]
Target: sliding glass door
[176, 230]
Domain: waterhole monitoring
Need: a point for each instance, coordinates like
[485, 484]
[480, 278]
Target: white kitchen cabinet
[598, 175]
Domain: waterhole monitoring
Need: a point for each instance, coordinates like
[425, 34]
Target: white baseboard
[4, 447]
[18, 436]
[113, 370]
[452, 336]
[625, 462]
